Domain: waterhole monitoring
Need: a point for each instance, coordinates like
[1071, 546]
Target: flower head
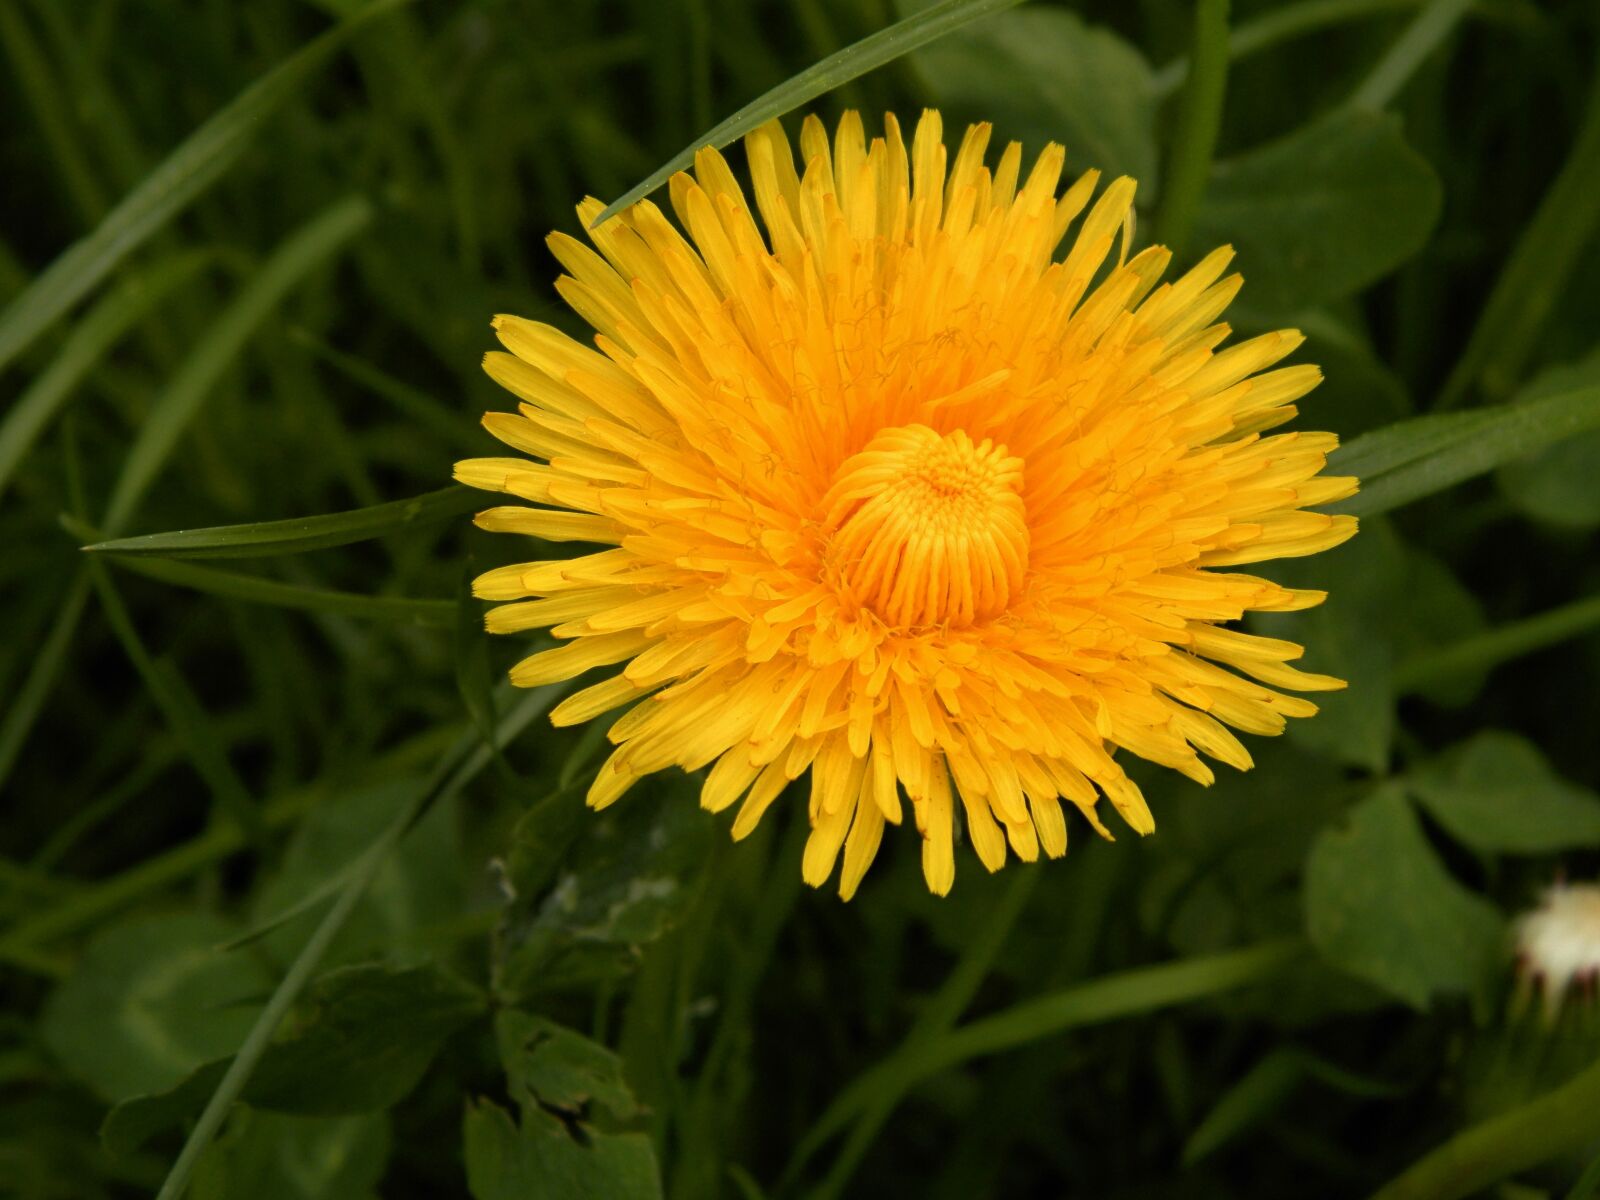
[895, 495]
[1558, 945]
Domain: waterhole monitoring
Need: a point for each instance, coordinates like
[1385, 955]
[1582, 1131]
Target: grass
[248, 258]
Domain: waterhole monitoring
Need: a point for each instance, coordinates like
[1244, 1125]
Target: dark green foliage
[248, 257]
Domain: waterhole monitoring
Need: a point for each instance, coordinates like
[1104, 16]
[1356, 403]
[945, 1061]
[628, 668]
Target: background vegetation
[251, 808]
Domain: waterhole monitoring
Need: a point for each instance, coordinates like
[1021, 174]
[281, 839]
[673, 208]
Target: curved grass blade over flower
[895, 495]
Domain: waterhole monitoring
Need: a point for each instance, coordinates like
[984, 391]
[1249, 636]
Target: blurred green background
[246, 271]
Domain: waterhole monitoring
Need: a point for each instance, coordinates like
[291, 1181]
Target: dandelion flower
[894, 494]
[1558, 945]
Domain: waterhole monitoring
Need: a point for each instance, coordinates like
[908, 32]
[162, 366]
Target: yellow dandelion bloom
[895, 495]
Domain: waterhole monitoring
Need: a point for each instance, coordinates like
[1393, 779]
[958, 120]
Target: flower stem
[1198, 123]
[1503, 1145]
[1499, 645]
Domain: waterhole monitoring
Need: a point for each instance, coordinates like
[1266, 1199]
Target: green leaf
[874, 51]
[298, 534]
[296, 256]
[1433, 610]
[1496, 793]
[194, 166]
[94, 334]
[539, 1160]
[150, 1000]
[265, 1156]
[1321, 213]
[1381, 906]
[1557, 485]
[1358, 392]
[361, 1039]
[1350, 636]
[420, 883]
[454, 770]
[551, 1066]
[1226, 868]
[626, 882]
[1425, 455]
[1043, 75]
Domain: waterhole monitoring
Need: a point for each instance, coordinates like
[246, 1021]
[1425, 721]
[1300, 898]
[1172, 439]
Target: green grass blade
[1501, 644]
[1124, 994]
[296, 535]
[1259, 1093]
[412, 402]
[253, 589]
[1536, 274]
[52, 112]
[197, 163]
[91, 337]
[460, 765]
[22, 709]
[1411, 49]
[1283, 24]
[185, 715]
[934, 1023]
[1560, 1120]
[1416, 458]
[216, 350]
[853, 61]
[171, 867]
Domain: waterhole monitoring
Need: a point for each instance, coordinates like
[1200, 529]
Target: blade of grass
[853, 61]
[1588, 1183]
[458, 767]
[88, 342]
[1199, 121]
[1559, 1120]
[1415, 458]
[45, 97]
[82, 820]
[1124, 994]
[1410, 50]
[253, 589]
[173, 866]
[931, 1025]
[296, 256]
[1127, 993]
[23, 708]
[1536, 274]
[197, 163]
[184, 714]
[1499, 645]
[414, 403]
[1280, 25]
[1259, 1092]
[297, 535]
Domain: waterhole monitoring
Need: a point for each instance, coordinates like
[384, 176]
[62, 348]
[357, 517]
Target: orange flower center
[927, 529]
